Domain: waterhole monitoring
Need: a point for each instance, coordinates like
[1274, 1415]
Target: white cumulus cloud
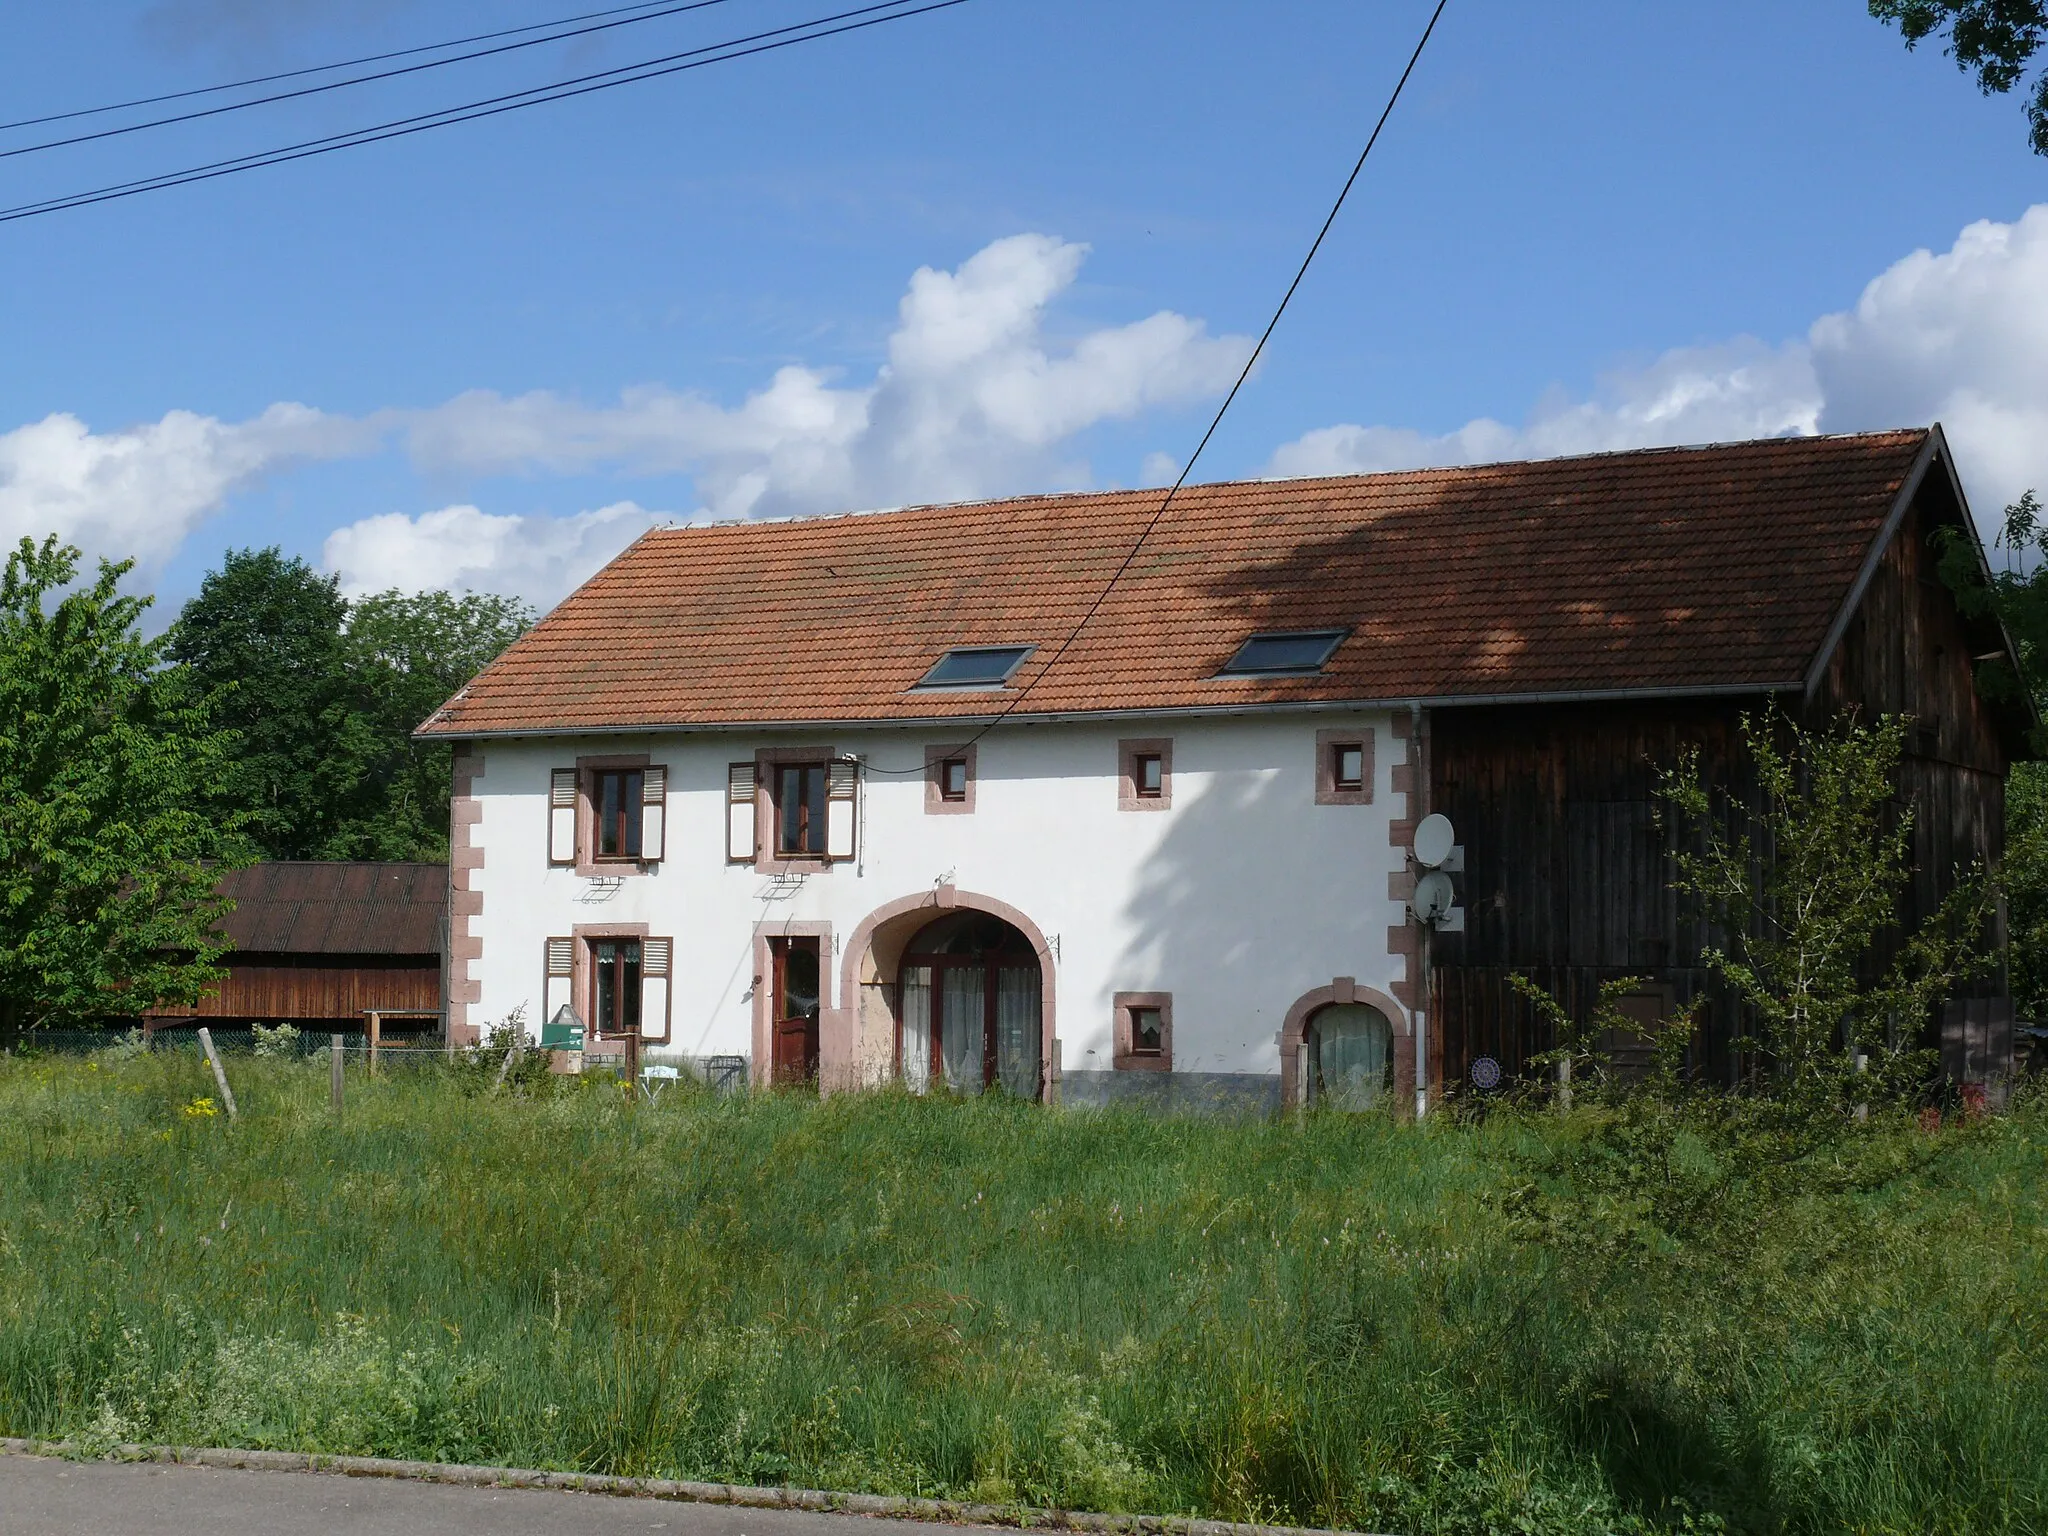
[973, 400]
[140, 491]
[465, 548]
[1958, 338]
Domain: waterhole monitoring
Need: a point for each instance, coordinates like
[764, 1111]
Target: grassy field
[1325, 1322]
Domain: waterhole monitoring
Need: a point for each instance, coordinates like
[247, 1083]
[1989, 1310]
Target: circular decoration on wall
[1486, 1074]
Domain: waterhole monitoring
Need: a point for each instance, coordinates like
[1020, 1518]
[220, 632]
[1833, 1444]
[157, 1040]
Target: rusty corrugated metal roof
[336, 908]
[1665, 569]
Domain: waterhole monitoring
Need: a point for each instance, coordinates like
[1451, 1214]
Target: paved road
[41, 1497]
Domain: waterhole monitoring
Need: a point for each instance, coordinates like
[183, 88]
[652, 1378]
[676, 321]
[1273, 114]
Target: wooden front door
[794, 1010]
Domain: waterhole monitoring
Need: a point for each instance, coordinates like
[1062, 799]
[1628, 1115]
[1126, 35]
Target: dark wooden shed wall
[1568, 873]
[326, 989]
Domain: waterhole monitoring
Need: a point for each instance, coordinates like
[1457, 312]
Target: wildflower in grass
[201, 1108]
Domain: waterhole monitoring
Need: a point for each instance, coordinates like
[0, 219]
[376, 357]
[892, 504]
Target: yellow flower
[200, 1109]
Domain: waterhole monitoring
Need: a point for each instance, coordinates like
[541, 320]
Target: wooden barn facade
[1568, 875]
[322, 945]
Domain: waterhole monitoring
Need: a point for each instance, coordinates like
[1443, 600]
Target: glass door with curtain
[1351, 1048]
[969, 1014]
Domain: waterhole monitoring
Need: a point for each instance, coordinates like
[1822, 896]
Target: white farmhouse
[1039, 796]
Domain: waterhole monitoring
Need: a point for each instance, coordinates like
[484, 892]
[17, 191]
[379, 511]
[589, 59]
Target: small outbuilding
[325, 944]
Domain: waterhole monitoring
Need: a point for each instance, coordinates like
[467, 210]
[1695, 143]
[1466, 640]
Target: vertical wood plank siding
[1568, 871]
[340, 988]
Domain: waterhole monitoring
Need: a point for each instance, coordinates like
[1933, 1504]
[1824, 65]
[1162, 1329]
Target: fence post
[220, 1075]
[512, 1054]
[1564, 1081]
[376, 1038]
[334, 1072]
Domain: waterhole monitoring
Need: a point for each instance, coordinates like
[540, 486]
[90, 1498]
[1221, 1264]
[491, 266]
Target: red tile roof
[336, 908]
[1694, 568]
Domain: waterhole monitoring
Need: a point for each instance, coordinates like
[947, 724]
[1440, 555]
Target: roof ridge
[811, 519]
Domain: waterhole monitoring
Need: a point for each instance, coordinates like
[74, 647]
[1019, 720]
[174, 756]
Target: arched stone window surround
[874, 953]
[1345, 990]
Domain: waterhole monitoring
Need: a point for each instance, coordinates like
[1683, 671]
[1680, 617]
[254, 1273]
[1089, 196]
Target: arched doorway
[968, 1008]
[1350, 1056]
[1331, 1042]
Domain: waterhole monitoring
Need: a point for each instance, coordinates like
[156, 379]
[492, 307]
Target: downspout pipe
[1418, 808]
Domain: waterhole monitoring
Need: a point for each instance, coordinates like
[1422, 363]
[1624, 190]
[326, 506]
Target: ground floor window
[1351, 1056]
[615, 978]
[969, 1009]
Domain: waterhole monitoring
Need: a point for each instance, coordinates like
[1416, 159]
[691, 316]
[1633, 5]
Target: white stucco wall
[1238, 899]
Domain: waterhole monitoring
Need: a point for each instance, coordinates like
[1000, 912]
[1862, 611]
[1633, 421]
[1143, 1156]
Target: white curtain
[1354, 1055]
[916, 1029]
[963, 1016]
[1017, 1030]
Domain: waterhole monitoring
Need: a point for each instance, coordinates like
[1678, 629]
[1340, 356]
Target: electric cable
[318, 69]
[672, 9]
[1251, 362]
[625, 74]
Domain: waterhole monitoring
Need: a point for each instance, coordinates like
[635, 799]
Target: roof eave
[1156, 712]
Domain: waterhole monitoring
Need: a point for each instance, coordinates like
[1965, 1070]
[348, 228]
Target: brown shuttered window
[562, 816]
[739, 813]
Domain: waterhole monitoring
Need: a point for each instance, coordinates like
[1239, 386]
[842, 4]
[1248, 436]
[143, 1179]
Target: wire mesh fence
[410, 1050]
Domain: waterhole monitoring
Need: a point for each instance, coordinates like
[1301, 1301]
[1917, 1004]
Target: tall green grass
[1319, 1322]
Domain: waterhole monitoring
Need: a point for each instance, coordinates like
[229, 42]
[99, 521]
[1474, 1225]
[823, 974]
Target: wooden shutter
[740, 789]
[562, 816]
[653, 812]
[561, 973]
[842, 807]
[655, 958]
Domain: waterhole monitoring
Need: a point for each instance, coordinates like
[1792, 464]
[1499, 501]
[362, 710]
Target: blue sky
[488, 356]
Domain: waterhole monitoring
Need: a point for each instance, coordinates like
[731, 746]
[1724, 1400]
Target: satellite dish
[1433, 897]
[1434, 840]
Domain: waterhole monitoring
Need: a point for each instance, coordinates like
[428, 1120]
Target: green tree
[2019, 595]
[406, 654]
[1995, 38]
[264, 637]
[107, 870]
[1807, 890]
[326, 695]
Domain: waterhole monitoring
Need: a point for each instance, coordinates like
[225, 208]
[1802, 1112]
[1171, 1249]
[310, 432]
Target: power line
[625, 74]
[1217, 421]
[318, 69]
[340, 85]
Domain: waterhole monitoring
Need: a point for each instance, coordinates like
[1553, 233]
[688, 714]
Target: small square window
[1143, 1032]
[1148, 775]
[953, 779]
[1347, 766]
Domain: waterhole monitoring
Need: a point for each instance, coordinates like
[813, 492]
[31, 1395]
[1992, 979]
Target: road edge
[674, 1490]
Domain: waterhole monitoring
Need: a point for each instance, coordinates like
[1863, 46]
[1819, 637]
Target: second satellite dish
[1433, 897]
[1434, 840]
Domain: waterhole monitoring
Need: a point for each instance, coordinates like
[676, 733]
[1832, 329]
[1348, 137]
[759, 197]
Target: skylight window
[1281, 652]
[976, 666]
